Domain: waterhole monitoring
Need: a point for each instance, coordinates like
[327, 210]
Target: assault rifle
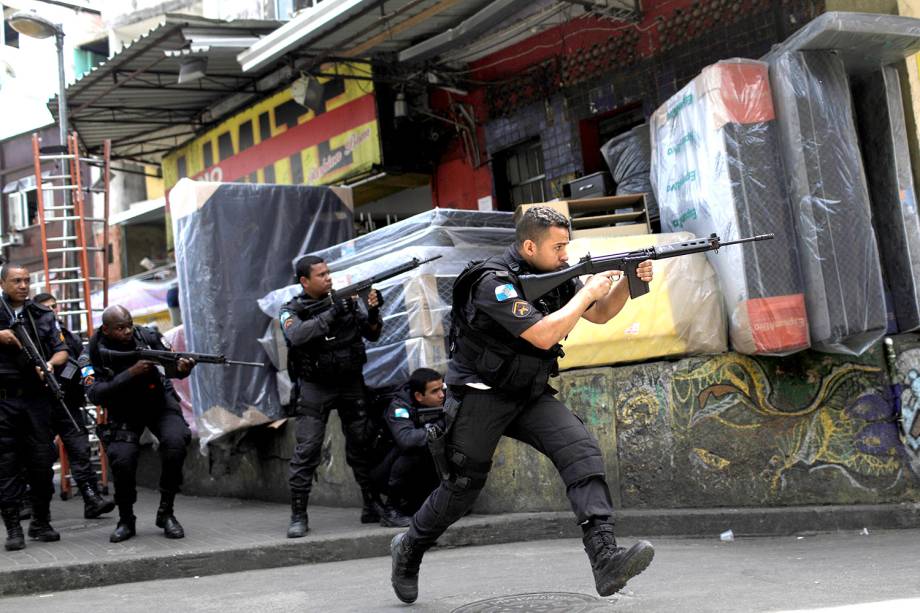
[166, 358]
[535, 286]
[35, 359]
[361, 288]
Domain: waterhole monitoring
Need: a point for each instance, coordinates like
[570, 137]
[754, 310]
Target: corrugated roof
[134, 98]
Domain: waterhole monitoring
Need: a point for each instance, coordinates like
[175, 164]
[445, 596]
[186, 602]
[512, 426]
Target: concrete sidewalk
[230, 535]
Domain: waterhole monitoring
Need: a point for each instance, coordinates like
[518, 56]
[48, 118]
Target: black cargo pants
[544, 423]
[25, 442]
[122, 445]
[315, 403]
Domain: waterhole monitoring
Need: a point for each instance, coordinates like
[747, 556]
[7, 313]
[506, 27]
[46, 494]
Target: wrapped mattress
[716, 168]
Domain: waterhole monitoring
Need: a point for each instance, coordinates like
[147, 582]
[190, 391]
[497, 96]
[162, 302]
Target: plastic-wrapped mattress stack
[811, 74]
[416, 304]
[716, 169]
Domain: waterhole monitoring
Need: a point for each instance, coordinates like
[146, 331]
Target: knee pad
[466, 474]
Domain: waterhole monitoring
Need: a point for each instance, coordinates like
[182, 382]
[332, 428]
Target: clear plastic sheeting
[716, 168]
[883, 136]
[683, 313]
[416, 307]
[830, 199]
[863, 41]
[234, 243]
[437, 227]
[628, 156]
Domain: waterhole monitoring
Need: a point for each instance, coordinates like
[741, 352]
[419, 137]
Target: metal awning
[415, 30]
[134, 98]
[358, 28]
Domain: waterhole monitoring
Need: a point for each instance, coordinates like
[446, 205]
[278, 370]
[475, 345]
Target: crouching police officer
[25, 410]
[410, 416]
[75, 440]
[137, 394]
[326, 357]
[505, 350]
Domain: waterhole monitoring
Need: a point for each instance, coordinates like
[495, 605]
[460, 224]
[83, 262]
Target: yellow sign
[279, 140]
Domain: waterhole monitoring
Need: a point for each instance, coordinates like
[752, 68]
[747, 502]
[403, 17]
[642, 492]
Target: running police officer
[25, 410]
[505, 350]
[137, 394]
[75, 440]
[412, 474]
[326, 357]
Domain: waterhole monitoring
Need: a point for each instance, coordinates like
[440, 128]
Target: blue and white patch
[401, 413]
[87, 371]
[285, 317]
[505, 292]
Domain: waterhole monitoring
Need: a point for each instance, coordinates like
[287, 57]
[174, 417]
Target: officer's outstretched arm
[556, 326]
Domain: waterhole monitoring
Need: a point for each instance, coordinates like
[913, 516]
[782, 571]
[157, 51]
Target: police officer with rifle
[137, 393]
[75, 436]
[325, 331]
[504, 349]
[31, 347]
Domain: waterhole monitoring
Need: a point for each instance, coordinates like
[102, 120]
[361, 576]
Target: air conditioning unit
[13, 239]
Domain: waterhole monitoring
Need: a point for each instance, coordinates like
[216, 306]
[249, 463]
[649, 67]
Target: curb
[483, 530]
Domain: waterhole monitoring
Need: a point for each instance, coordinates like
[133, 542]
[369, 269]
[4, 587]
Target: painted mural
[906, 382]
[732, 430]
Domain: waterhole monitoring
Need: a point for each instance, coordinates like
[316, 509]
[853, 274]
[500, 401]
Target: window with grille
[519, 176]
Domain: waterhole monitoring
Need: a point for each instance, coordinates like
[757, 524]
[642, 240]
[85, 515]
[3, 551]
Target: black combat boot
[165, 518]
[15, 540]
[94, 504]
[407, 554]
[40, 527]
[392, 518]
[370, 512]
[613, 566]
[126, 522]
[300, 525]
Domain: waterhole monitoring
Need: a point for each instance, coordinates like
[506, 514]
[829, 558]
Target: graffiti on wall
[731, 429]
[907, 378]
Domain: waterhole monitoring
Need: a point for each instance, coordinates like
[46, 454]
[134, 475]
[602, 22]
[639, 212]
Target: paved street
[753, 574]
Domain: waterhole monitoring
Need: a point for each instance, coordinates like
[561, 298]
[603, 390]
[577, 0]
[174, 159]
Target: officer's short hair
[535, 222]
[420, 378]
[305, 265]
[4, 272]
[43, 297]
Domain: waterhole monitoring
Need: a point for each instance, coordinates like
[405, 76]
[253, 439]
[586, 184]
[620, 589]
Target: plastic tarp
[883, 136]
[716, 168]
[628, 156]
[683, 313]
[234, 243]
[416, 304]
[830, 199]
[863, 41]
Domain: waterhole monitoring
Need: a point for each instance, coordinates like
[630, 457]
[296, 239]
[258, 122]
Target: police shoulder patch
[87, 370]
[505, 292]
[401, 413]
[521, 308]
[287, 319]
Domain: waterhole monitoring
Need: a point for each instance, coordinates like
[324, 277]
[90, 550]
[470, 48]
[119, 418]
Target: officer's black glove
[434, 430]
[343, 306]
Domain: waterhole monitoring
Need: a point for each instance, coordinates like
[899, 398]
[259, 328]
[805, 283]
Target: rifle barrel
[758, 237]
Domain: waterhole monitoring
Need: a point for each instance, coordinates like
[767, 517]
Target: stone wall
[711, 431]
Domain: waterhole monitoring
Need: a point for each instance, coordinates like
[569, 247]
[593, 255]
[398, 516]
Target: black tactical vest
[504, 362]
[337, 355]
